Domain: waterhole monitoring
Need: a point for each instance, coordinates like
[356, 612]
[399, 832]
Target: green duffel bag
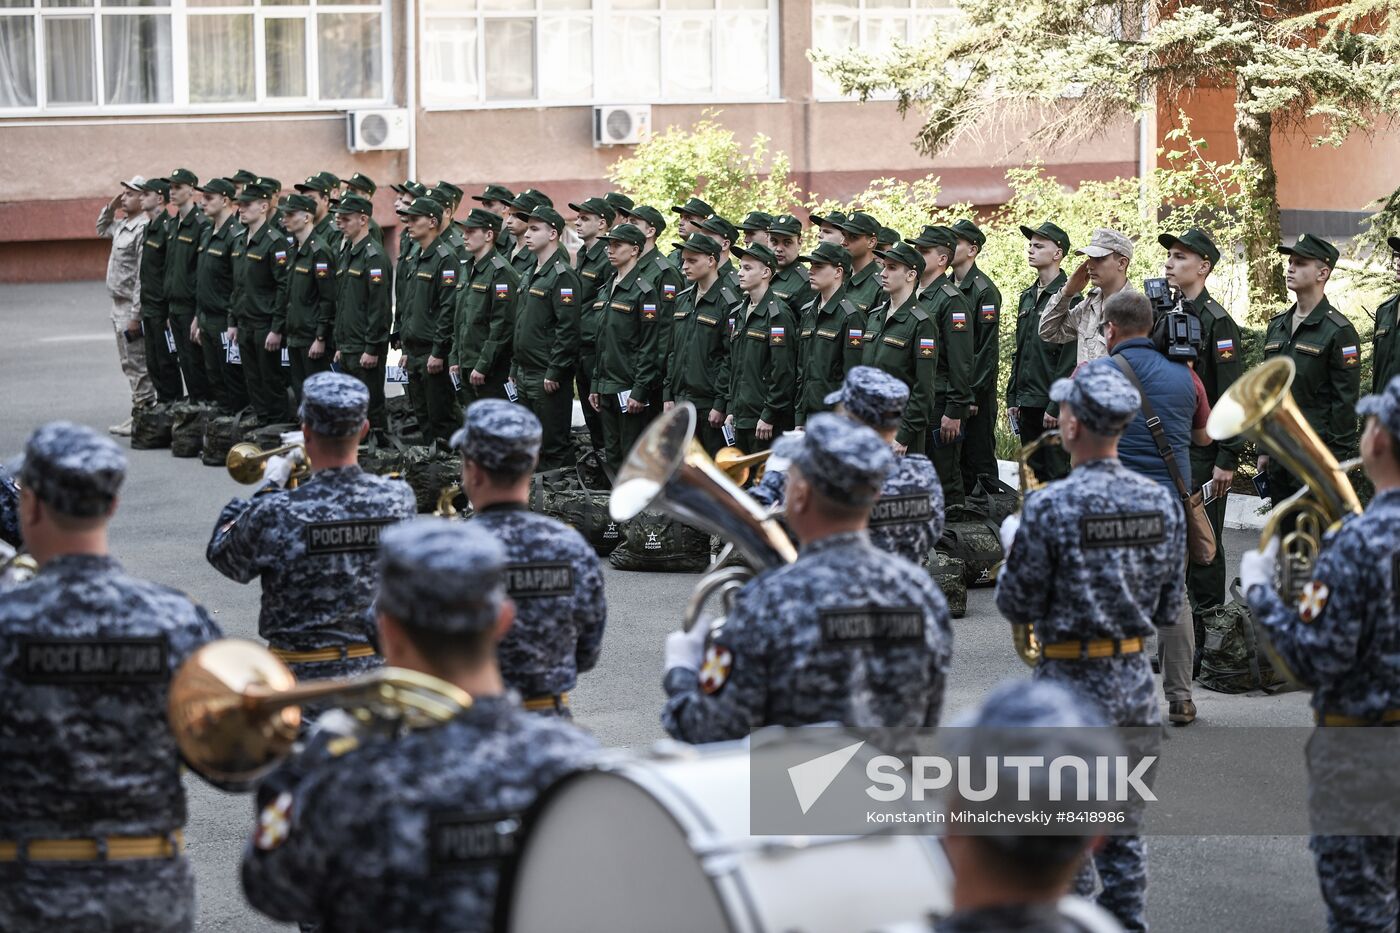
[382, 459]
[592, 466]
[973, 539]
[223, 431]
[949, 573]
[561, 495]
[994, 499]
[429, 470]
[403, 421]
[655, 541]
[1234, 655]
[151, 426]
[269, 436]
[187, 428]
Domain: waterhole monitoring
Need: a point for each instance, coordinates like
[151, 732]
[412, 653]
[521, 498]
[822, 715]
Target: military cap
[1385, 405]
[872, 396]
[481, 219]
[317, 183]
[135, 183]
[626, 233]
[619, 202]
[758, 253]
[424, 207]
[255, 192]
[524, 203]
[500, 436]
[755, 221]
[300, 202]
[648, 213]
[694, 207]
[446, 577]
[158, 185]
[595, 206]
[330, 178]
[829, 219]
[1394, 243]
[243, 177]
[720, 227]
[698, 243]
[452, 190]
[442, 196]
[932, 236]
[363, 183]
[353, 204]
[536, 196]
[411, 188]
[334, 404]
[220, 186]
[843, 460]
[860, 223]
[830, 254]
[1310, 246]
[785, 225]
[1104, 242]
[549, 215]
[969, 231]
[268, 182]
[1103, 399]
[1052, 232]
[886, 237]
[1195, 241]
[72, 469]
[183, 176]
[905, 255]
[495, 193]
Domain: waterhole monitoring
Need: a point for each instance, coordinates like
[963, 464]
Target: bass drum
[661, 842]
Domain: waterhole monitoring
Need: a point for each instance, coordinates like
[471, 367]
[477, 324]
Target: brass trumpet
[246, 463]
[445, 508]
[1023, 636]
[234, 706]
[737, 465]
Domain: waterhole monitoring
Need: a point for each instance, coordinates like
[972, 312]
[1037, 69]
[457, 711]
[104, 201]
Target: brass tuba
[1259, 406]
[667, 469]
[1023, 636]
[246, 462]
[234, 707]
[738, 466]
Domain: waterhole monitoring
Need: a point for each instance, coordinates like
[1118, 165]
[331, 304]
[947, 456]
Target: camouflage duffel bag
[654, 541]
[382, 459]
[1233, 656]
[187, 428]
[429, 470]
[973, 539]
[994, 499]
[403, 421]
[151, 425]
[559, 494]
[223, 431]
[592, 467]
[948, 572]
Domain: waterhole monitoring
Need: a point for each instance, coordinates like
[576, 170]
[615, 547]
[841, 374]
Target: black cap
[1049, 231]
[424, 207]
[243, 177]
[756, 221]
[969, 231]
[694, 207]
[220, 186]
[452, 191]
[759, 253]
[495, 193]
[268, 182]
[353, 204]
[626, 233]
[1194, 241]
[597, 207]
[300, 202]
[414, 189]
[905, 255]
[318, 183]
[619, 201]
[699, 243]
[859, 223]
[829, 254]
[1312, 247]
[785, 225]
[650, 214]
[933, 235]
[255, 192]
[829, 219]
[183, 176]
[720, 227]
[159, 185]
[481, 219]
[362, 183]
[550, 216]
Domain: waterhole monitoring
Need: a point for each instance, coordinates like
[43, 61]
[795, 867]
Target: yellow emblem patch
[274, 823]
[1312, 600]
[714, 673]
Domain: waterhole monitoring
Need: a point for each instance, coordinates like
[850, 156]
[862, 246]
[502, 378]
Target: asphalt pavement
[58, 360]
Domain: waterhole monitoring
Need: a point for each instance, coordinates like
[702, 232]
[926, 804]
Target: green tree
[1075, 65]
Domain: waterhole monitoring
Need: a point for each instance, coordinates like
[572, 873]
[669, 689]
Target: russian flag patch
[376, 275]
[927, 346]
[449, 275]
[777, 334]
[281, 257]
[1225, 349]
[854, 335]
[989, 312]
[668, 291]
[322, 269]
[1349, 356]
[566, 295]
[649, 312]
[959, 319]
[502, 289]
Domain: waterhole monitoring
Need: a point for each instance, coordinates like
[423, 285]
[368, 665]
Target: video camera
[1176, 332]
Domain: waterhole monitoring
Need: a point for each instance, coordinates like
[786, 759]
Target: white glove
[686, 649]
[278, 470]
[1257, 567]
[1009, 525]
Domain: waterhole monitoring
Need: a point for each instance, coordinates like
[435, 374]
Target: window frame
[180, 12]
[597, 12]
[863, 15]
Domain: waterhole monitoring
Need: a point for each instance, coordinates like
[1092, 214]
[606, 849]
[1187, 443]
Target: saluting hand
[1079, 279]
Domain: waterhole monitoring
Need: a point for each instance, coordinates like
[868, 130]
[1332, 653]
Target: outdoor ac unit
[620, 125]
[366, 130]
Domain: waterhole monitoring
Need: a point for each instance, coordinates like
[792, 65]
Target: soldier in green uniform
[697, 363]
[181, 258]
[664, 278]
[405, 195]
[886, 237]
[726, 235]
[761, 380]
[496, 199]
[308, 320]
[320, 188]
[431, 275]
[485, 320]
[1036, 363]
[627, 372]
[451, 231]
[828, 227]
[755, 227]
[214, 294]
[619, 202]
[162, 363]
[516, 223]
[1327, 351]
[901, 338]
[790, 282]
[240, 178]
[363, 186]
[979, 457]
[1385, 360]
[830, 330]
[261, 263]
[1191, 257]
[952, 316]
[690, 215]
[863, 288]
[363, 304]
[547, 337]
[594, 218]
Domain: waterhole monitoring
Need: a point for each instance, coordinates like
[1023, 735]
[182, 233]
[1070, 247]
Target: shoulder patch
[1216, 311]
[443, 249]
[372, 248]
[497, 261]
[919, 313]
[560, 267]
[142, 660]
[849, 306]
[1338, 318]
[950, 289]
[729, 297]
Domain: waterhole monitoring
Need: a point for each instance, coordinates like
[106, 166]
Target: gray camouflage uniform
[9, 511]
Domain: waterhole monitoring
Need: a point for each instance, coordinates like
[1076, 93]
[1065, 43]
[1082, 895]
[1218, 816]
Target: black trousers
[263, 375]
[1047, 463]
[163, 366]
[304, 367]
[979, 447]
[191, 357]
[374, 381]
[225, 379]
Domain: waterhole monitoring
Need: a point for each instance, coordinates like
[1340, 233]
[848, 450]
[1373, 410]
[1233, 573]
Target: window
[499, 52]
[144, 56]
[872, 25]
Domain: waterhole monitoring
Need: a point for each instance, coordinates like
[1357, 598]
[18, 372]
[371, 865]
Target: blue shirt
[1172, 392]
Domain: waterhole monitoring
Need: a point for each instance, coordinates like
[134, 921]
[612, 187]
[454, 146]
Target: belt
[316, 655]
[1092, 648]
[1389, 717]
[101, 849]
[548, 701]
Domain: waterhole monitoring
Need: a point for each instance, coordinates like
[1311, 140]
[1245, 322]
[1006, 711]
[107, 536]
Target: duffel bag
[269, 436]
[151, 425]
[382, 459]
[187, 428]
[658, 542]
[221, 432]
[1233, 656]
[949, 573]
[560, 495]
[973, 539]
[429, 470]
[994, 499]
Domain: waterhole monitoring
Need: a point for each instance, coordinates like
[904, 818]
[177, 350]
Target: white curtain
[68, 60]
[221, 58]
[136, 57]
[17, 61]
[285, 45]
[351, 56]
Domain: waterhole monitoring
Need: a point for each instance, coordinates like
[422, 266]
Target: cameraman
[1171, 389]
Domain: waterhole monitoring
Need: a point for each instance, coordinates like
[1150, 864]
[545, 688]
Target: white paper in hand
[232, 355]
[395, 374]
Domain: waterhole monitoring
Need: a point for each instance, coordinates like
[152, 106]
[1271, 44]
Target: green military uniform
[1385, 358]
[629, 359]
[729, 275]
[363, 314]
[406, 248]
[953, 396]
[1035, 365]
[162, 364]
[790, 285]
[979, 456]
[594, 273]
[325, 231]
[457, 239]
[667, 281]
[484, 325]
[262, 260]
[830, 341]
[432, 274]
[904, 343]
[181, 273]
[864, 289]
[213, 296]
[310, 311]
[546, 348]
[523, 262]
[699, 355]
[761, 379]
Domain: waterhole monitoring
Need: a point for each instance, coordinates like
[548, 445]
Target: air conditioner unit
[366, 130]
[620, 124]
